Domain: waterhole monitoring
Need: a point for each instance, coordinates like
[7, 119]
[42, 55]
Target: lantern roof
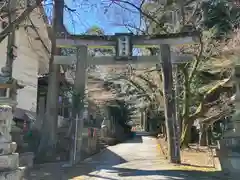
[8, 82]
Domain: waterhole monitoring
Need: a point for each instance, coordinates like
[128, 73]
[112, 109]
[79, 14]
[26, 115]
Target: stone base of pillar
[13, 175]
[26, 159]
[229, 146]
[229, 154]
[7, 147]
[9, 160]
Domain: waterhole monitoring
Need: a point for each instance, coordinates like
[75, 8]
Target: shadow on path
[96, 163]
[56, 172]
[106, 165]
[136, 139]
[169, 174]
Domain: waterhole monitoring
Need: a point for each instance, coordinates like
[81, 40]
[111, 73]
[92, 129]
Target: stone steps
[100, 141]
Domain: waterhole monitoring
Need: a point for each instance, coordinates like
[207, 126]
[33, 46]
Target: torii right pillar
[229, 152]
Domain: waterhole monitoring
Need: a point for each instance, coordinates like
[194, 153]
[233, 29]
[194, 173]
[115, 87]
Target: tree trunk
[19, 20]
[209, 136]
[165, 134]
[203, 135]
[186, 134]
[186, 122]
[48, 141]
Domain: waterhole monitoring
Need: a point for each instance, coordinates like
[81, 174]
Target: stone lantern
[229, 152]
[9, 160]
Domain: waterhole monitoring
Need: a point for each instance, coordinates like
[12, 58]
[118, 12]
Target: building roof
[23, 114]
[43, 80]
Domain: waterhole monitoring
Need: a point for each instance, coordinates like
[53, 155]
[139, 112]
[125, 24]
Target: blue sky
[111, 18]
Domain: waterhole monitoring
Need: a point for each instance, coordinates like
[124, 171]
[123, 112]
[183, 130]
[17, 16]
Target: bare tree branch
[139, 9]
[19, 19]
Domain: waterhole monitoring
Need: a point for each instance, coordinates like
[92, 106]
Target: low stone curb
[92, 156]
[159, 146]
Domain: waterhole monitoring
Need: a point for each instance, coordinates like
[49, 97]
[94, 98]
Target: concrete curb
[92, 156]
[62, 163]
[88, 159]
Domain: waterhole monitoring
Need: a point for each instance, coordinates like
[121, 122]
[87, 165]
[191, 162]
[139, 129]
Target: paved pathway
[138, 158]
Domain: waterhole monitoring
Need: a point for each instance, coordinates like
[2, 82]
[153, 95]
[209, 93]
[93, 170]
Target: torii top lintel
[64, 38]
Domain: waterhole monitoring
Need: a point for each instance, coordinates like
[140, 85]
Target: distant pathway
[138, 159]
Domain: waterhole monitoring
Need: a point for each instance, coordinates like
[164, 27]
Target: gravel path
[138, 158]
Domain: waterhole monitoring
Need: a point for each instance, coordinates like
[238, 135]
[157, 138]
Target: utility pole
[170, 71]
[169, 101]
[177, 80]
[174, 139]
[178, 22]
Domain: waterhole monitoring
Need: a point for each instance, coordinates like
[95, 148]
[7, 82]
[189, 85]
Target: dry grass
[195, 157]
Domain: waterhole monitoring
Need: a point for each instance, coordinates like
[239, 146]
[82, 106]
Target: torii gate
[123, 44]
